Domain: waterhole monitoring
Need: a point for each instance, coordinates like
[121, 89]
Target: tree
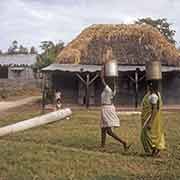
[10, 50]
[22, 50]
[162, 25]
[13, 48]
[49, 53]
[33, 50]
[14, 44]
[17, 49]
[46, 45]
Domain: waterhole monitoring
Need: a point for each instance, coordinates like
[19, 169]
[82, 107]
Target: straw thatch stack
[130, 44]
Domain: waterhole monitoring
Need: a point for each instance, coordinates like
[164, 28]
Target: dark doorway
[3, 72]
[67, 83]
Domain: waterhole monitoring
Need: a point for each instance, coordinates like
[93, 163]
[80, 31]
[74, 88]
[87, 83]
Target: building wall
[74, 91]
[26, 74]
[15, 84]
[20, 79]
[171, 88]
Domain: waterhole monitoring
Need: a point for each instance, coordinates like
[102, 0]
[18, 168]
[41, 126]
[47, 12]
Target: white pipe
[34, 122]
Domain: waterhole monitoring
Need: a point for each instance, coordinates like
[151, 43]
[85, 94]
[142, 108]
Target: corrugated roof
[94, 68]
[18, 59]
[17, 68]
[72, 68]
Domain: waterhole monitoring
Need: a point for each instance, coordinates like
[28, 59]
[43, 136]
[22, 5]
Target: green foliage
[17, 49]
[49, 54]
[162, 25]
[33, 50]
[23, 50]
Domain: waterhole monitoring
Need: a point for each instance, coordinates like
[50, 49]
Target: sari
[152, 138]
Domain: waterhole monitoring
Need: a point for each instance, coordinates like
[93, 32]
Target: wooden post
[136, 87]
[43, 101]
[87, 84]
[136, 80]
[87, 90]
[43, 92]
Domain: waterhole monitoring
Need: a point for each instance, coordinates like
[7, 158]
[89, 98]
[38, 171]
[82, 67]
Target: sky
[32, 21]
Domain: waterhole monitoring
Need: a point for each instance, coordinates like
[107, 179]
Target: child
[58, 100]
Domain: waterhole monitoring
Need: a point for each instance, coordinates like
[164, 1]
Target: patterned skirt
[109, 117]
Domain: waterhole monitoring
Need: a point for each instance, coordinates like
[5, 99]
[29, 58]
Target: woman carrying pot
[152, 133]
[109, 118]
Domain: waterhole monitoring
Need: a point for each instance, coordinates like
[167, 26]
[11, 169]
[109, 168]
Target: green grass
[69, 149]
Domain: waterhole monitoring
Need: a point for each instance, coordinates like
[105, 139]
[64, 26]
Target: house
[77, 68]
[16, 70]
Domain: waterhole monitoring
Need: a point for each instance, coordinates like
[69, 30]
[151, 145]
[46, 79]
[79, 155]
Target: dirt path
[5, 105]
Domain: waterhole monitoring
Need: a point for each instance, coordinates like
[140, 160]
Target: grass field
[70, 150]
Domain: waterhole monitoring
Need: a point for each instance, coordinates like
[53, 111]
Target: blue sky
[32, 21]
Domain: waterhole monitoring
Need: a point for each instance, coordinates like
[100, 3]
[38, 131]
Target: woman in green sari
[152, 134]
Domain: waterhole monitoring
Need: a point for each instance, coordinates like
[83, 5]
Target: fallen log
[35, 122]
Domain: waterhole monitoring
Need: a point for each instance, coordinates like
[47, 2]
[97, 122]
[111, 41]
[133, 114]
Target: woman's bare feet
[127, 147]
[156, 153]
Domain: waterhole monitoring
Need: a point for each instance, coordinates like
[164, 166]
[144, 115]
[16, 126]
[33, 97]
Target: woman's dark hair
[154, 86]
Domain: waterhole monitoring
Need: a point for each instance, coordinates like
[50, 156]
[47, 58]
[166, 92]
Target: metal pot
[153, 70]
[111, 69]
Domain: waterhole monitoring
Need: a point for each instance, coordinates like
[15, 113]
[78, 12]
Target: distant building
[16, 71]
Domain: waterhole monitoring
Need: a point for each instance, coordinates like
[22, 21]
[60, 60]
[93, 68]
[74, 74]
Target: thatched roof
[130, 44]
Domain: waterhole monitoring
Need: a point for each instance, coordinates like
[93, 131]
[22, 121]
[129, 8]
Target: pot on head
[153, 70]
[111, 69]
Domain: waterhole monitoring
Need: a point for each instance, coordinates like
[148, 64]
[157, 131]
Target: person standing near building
[58, 100]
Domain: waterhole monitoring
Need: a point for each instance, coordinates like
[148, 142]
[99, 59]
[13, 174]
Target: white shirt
[107, 95]
[153, 98]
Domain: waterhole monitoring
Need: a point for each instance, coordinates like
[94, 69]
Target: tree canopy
[33, 50]
[50, 50]
[15, 48]
[162, 25]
